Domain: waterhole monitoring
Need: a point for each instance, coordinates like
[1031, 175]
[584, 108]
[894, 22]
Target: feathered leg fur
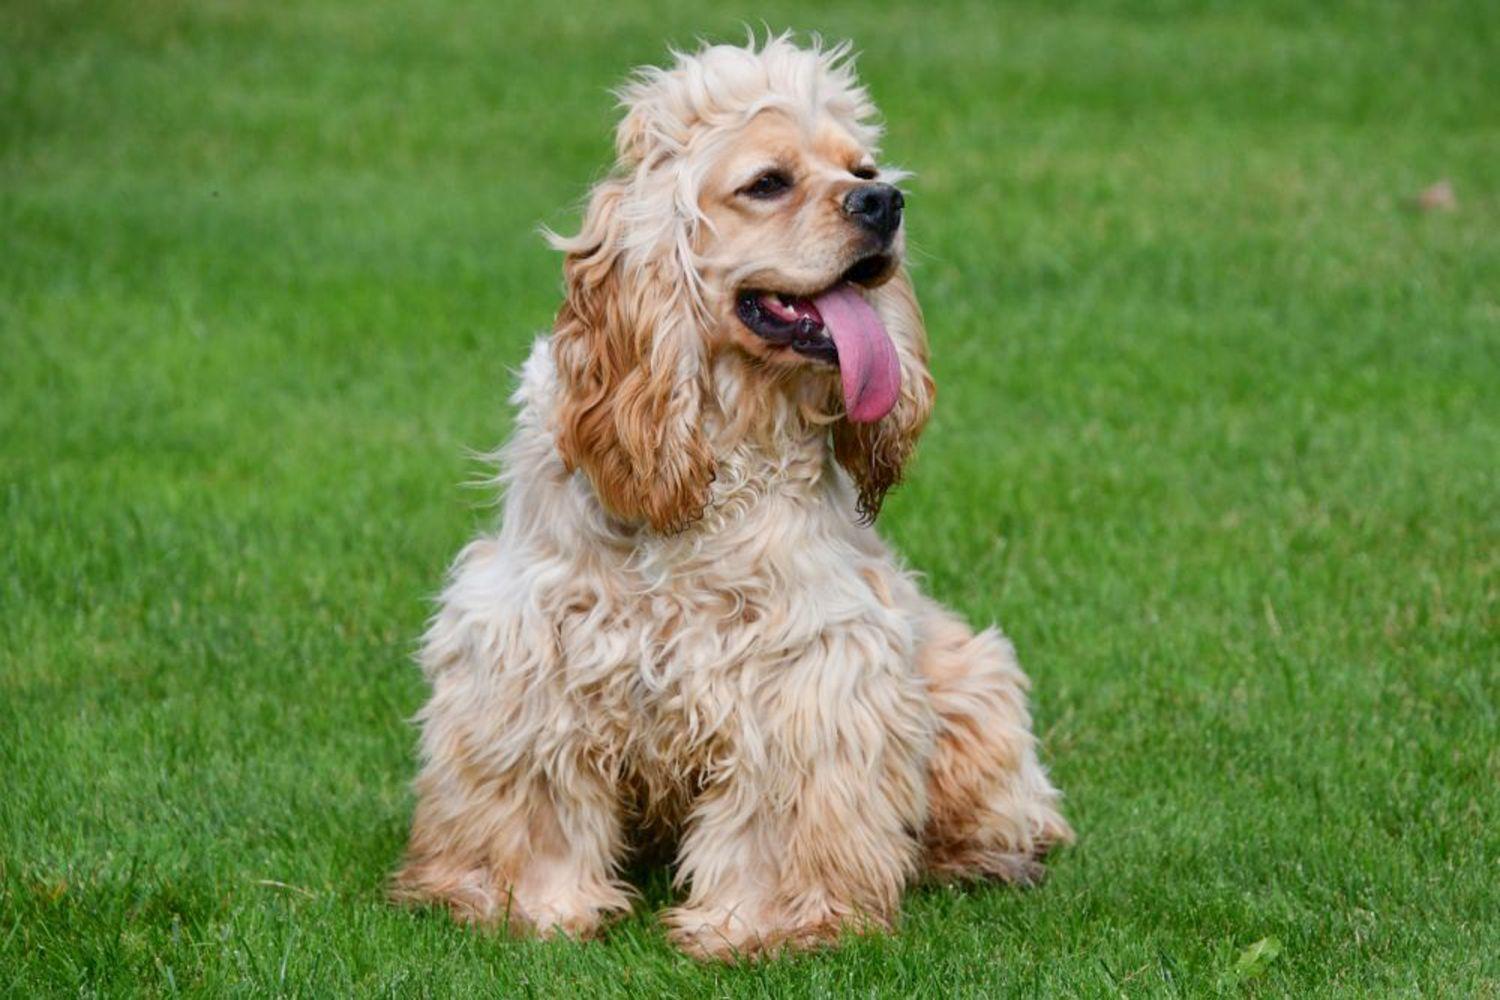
[992, 812]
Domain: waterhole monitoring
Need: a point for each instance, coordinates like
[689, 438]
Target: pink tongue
[867, 358]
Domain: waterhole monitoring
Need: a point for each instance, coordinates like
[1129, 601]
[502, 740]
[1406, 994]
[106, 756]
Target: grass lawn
[1218, 443]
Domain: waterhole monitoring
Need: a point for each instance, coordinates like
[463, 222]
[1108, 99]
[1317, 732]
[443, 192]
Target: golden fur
[685, 629]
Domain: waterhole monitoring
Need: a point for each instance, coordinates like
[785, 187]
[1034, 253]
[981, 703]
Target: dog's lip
[791, 322]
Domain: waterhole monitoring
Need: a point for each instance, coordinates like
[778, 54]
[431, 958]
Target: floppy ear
[628, 355]
[874, 454]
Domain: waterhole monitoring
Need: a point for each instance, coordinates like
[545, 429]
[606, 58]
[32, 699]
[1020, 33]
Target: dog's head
[746, 215]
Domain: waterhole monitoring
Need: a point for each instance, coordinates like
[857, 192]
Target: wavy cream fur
[683, 632]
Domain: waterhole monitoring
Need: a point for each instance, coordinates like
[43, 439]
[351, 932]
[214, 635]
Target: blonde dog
[685, 629]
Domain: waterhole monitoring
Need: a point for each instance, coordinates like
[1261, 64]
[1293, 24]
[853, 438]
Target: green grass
[1218, 442]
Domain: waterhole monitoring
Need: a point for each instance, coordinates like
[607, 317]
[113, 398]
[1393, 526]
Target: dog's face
[796, 211]
[746, 214]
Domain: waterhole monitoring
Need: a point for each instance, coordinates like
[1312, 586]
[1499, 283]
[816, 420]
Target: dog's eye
[864, 173]
[767, 185]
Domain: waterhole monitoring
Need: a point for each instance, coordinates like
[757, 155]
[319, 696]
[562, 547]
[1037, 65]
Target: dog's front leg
[516, 852]
[516, 823]
[810, 826]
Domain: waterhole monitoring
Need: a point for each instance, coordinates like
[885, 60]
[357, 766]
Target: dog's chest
[682, 651]
[661, 672]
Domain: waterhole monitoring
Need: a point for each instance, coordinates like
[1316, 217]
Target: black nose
[877, 207]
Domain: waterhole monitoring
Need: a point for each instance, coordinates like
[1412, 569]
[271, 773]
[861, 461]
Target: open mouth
[787, 321]
[838, 327]
[794, 321]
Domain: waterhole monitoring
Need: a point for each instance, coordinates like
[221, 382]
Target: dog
[686, 630]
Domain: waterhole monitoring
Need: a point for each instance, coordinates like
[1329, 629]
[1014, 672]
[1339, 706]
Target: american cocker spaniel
[685, 629]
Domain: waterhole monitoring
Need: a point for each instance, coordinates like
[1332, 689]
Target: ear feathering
[628, 360]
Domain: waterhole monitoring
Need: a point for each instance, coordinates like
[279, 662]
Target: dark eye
[864, 173]
[767, 185]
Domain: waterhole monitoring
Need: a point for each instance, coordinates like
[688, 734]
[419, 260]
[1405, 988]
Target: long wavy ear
[629, 364]
[875, 454]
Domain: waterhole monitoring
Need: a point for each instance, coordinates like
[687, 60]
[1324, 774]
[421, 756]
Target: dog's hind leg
[993, 813]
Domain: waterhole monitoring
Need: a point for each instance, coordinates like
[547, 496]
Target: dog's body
[685, 629]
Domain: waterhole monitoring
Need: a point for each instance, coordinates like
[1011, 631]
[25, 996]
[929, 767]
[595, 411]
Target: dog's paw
[713, 933]
[474, 896]
[1021, 870]
[470, 895]
[725, 935]
[578, 912]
